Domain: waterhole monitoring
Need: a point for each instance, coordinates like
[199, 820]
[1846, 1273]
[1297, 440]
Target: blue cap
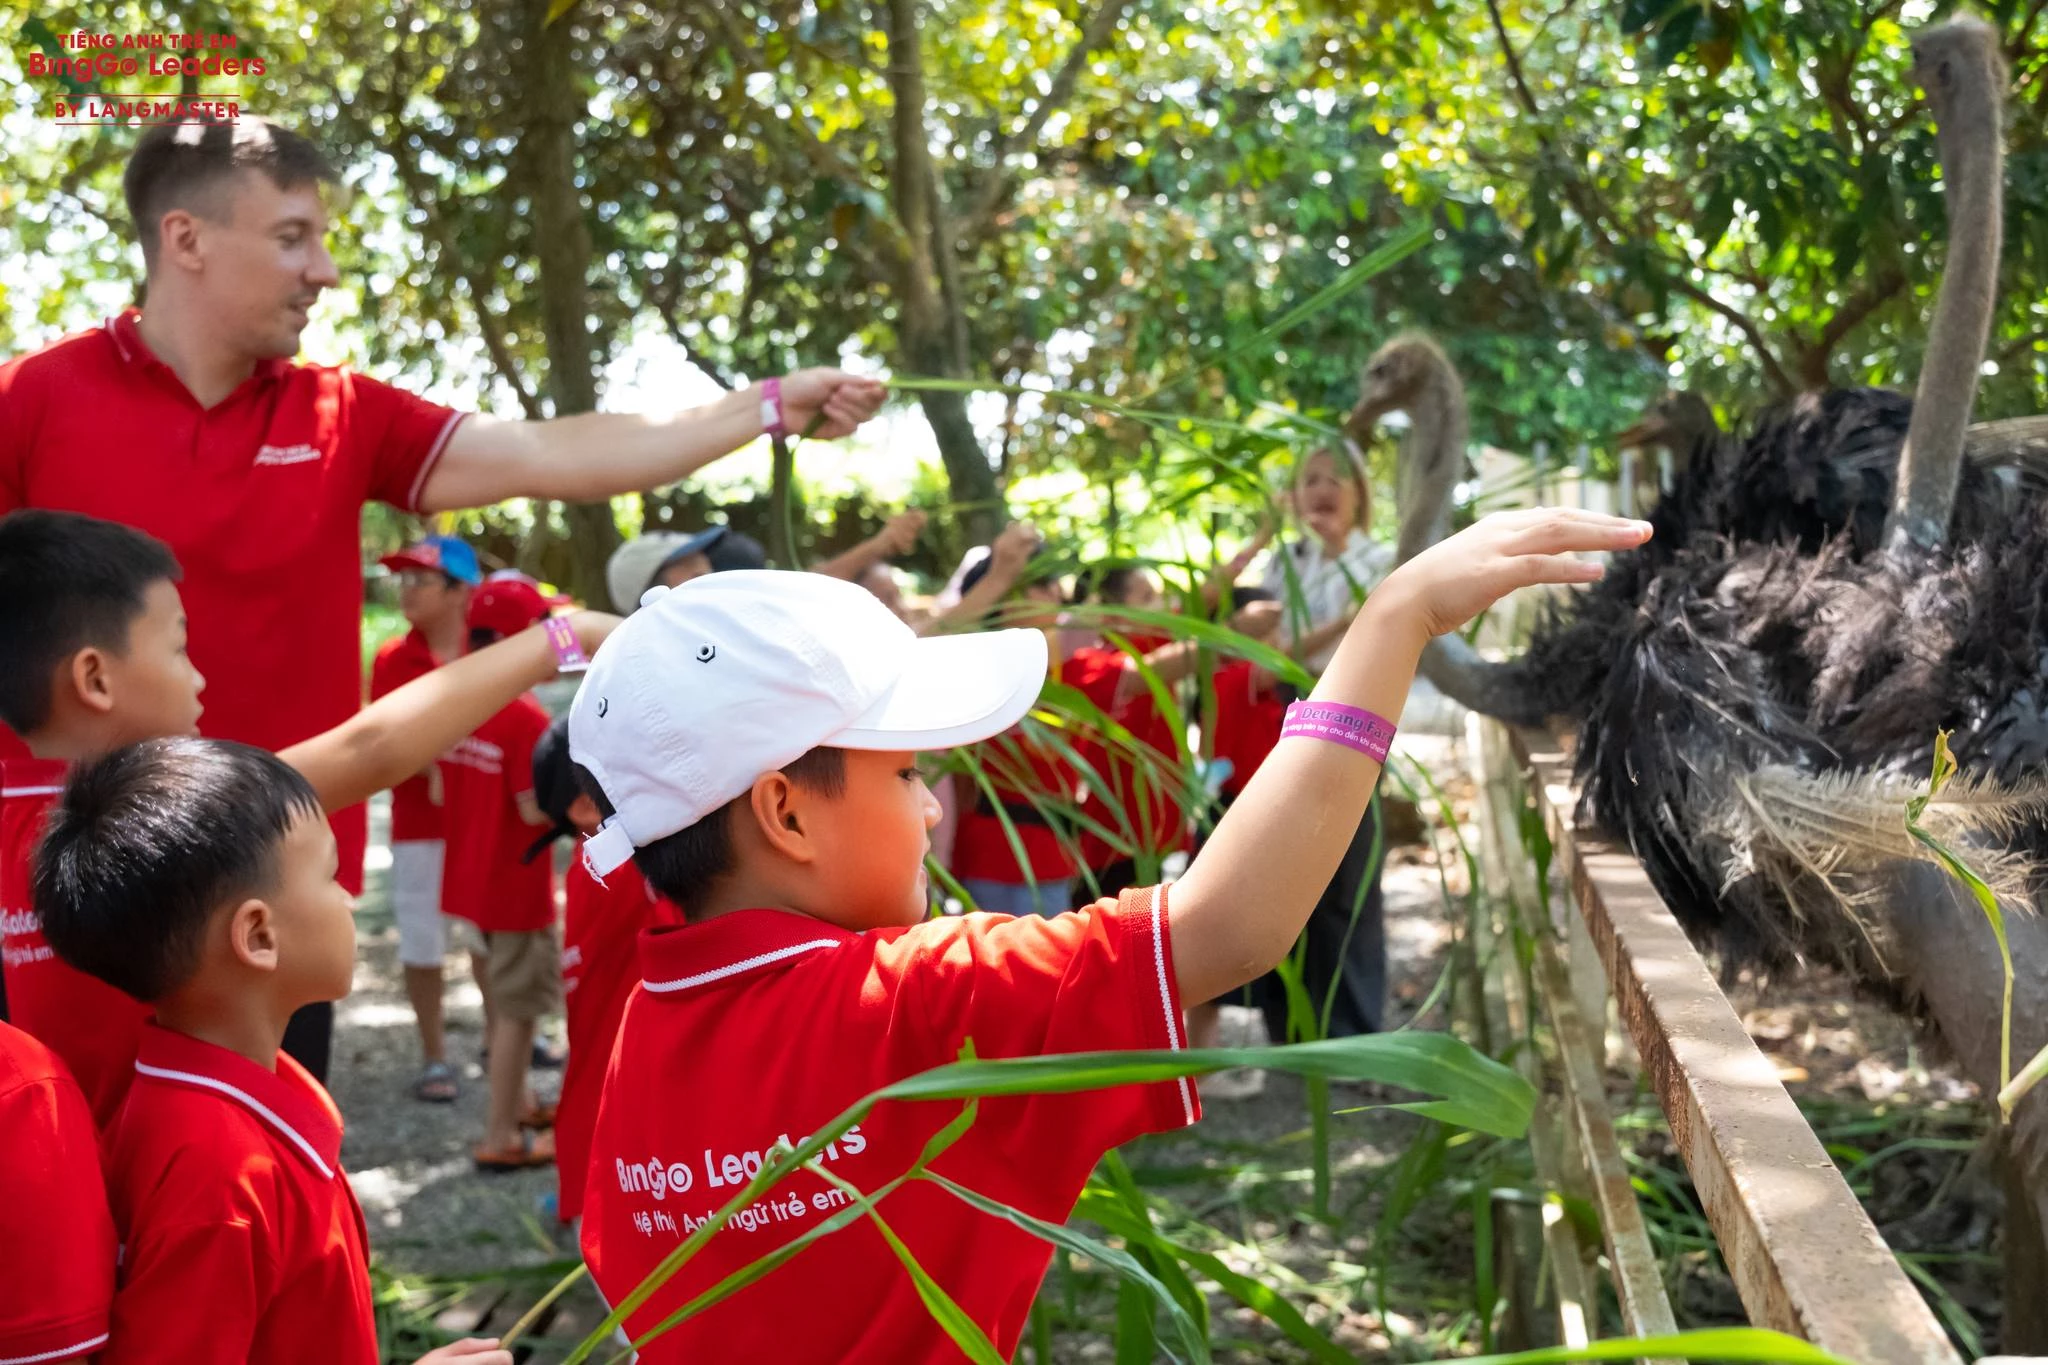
[441, 554]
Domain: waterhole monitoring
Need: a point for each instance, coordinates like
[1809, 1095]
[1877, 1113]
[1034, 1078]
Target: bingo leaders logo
[91, 79]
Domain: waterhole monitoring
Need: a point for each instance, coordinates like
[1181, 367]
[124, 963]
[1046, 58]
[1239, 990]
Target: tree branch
[1094, 33]
[1877, 290]
[1586, 201]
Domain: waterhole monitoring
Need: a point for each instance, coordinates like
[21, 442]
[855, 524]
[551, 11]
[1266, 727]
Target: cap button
[654, 594]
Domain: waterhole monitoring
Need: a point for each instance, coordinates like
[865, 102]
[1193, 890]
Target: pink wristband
[771, 408]
[569, 655]
[1352, 726]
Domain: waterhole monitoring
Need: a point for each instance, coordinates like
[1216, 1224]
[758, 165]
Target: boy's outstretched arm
[401, 732]
[1244, 900]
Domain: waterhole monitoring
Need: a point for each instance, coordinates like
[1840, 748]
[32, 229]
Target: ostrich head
[1411, 374]
[1677, 421]
[1961, 68]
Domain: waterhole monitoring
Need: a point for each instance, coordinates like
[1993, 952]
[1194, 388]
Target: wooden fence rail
[1805, 1257]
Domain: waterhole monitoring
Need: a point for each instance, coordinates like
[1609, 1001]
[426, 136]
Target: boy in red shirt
[56, 1238]
[435, 579]
[199, 875]
[92, 657]
[601, 926]
[490, 820]
[752, 738]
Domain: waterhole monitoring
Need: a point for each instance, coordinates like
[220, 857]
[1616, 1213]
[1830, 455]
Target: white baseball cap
[737, 674]
[633, 565]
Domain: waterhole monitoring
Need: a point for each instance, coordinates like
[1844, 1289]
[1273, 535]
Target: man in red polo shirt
[191, 421]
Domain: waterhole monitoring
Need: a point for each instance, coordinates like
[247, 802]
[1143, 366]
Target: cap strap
[608, 850]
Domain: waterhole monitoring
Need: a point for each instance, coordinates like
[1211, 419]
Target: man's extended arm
[593, 455]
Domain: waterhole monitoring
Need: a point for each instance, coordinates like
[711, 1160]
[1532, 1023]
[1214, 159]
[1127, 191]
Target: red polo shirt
[1247, 722]
[482, 778]
[240, 1238]
[414, 816]
[1145, 785]
[56, 1240]
[601, 927]
[762, 1023]
[260, 497]
[90, 1025]
[1020, 770]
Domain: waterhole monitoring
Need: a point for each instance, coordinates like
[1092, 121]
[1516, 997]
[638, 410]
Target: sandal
[437, 1084]
[532, 1149]
[541, 1116]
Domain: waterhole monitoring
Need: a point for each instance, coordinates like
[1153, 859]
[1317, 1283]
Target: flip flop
[541, 1116]
[532, 1149]
[437, 1084]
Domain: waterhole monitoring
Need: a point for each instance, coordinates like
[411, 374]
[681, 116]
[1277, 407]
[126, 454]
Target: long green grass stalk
[1472, 1091]
[1987, 899]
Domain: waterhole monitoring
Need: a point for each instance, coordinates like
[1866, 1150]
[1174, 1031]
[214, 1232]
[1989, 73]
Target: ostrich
[1754, 688]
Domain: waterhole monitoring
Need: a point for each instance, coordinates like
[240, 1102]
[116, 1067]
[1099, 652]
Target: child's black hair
[684, 865]
[67, 582]
[149, 842]
[1105, 582]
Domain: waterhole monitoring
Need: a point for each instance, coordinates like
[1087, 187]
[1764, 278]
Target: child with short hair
[92, 657]
[752, 740]
[436, 576]
[601, 926]
[490, 820]
[199, 876]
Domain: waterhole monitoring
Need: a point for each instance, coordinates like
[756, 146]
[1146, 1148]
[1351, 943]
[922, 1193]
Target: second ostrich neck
[1430, 459]
[1973, 174]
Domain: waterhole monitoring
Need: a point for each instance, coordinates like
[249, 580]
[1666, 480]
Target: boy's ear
[780, 813]
[86, 678]
[252, 935]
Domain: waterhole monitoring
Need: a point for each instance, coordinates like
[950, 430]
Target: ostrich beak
[1647, 432]
[1363, 418]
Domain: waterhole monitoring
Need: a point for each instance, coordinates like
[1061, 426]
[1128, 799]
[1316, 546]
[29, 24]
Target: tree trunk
[563, 249]
[930, 325]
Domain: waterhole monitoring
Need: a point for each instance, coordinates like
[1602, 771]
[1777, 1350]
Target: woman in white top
[1320, 580]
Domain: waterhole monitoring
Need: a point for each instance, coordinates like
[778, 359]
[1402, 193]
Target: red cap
[507, 605]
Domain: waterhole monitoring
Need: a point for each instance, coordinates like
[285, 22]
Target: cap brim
[958, 689]
[701, 543]
[406, 561]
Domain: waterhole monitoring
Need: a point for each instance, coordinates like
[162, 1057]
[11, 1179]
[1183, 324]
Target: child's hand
[593, 628]
[475, 1350]
[1454, 580]
[899, 535]
[1258, 620]
[1013, 547]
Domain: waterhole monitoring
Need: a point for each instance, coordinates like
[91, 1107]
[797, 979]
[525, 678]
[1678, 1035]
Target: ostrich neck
[1430, 460]
[1973, 172]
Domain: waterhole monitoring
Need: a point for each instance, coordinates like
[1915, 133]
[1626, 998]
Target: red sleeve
[388, 672]
[399, 436]
[1098, 979]
[57, 1246]
[14, 427]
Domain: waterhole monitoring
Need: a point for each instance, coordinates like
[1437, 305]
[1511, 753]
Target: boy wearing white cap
[751, 738]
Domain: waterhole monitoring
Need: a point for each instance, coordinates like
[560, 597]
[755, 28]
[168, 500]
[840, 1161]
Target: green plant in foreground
[1470, 1090]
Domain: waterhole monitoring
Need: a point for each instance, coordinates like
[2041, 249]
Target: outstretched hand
[1454, 580]
[839, 402]
[473, 1350]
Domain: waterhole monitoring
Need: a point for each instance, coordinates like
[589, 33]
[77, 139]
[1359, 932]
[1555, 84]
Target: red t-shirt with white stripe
[414, 816]
[241, 1241]
[56, 1240]
[482, 779]
[260, 496]
[762, 1024]
[92, 1026]
[601, 926]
